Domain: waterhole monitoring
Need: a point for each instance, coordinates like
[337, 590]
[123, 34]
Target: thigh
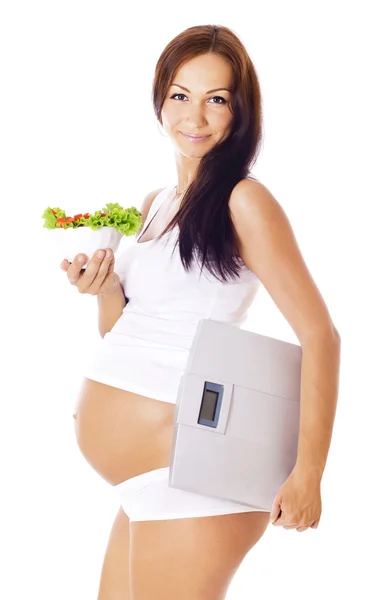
[114, 582]
[192, 557]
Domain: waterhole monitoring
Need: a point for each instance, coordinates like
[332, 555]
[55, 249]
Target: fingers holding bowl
[74, 269]
[89, 278]
[95, 273]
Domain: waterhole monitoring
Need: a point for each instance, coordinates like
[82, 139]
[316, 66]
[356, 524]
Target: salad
[125, 220]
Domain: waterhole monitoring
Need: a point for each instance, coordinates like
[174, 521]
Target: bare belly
[122, 434]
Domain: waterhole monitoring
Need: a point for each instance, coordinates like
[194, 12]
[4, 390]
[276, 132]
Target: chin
[191, 150]
[193, 155]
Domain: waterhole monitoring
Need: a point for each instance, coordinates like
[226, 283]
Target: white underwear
[148, 497]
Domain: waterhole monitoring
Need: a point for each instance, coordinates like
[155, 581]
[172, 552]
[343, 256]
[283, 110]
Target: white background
[77, 131]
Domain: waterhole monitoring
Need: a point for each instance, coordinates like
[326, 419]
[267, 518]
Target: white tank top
[166, 302]
[147, 348]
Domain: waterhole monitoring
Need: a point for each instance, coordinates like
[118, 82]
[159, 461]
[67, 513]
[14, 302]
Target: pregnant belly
[122, 434]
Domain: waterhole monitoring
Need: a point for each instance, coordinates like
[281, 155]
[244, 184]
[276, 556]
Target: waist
[142, 328]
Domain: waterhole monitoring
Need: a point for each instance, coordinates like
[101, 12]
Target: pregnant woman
[205, 246]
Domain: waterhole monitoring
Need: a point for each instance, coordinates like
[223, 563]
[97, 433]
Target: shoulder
[252, 201]
[249, 191]
[261, 227]
[268, 246]
[148, 201]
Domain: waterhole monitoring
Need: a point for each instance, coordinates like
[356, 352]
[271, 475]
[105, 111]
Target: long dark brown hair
[205, 226]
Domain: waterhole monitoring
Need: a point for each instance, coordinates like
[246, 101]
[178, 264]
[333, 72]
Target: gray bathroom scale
[236, 423]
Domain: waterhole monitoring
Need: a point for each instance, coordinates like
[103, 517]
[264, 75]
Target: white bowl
[84, 240]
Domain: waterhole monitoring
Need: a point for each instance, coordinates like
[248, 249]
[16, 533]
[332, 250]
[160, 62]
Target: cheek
[170, 114]
[223, 120]
[227, 116]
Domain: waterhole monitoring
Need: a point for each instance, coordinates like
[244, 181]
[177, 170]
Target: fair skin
[190, 108]
[198, 557]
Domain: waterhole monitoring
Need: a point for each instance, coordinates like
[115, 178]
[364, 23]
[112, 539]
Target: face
[197, 104]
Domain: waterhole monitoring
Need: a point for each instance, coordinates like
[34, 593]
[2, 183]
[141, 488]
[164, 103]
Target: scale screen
[210, 404]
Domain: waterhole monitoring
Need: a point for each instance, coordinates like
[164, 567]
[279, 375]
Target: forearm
[110, 308]
[319, 394]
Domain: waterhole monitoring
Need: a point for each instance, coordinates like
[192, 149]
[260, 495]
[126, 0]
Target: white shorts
[148, 497]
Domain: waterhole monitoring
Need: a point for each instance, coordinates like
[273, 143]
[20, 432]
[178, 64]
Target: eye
[178, 95]
[223, 100]
[220, 98]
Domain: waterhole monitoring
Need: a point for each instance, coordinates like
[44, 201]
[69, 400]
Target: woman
[233, 235]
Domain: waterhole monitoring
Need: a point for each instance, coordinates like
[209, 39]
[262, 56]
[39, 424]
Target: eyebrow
[209, 92]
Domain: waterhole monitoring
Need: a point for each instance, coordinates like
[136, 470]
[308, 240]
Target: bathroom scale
[236, 420]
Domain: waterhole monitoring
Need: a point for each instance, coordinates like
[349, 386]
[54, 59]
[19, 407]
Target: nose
[195, 116]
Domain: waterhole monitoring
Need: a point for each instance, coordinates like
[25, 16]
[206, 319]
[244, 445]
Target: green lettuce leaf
[126, 220]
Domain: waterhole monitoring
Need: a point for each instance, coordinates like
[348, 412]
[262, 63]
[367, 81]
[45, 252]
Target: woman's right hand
[97, 278]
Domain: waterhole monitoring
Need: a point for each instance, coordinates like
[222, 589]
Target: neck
[178, 193]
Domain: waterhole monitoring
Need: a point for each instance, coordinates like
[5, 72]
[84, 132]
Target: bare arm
[269, 248]
[110, 307]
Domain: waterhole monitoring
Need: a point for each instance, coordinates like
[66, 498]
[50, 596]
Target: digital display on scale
[212, 398]
[208, 408]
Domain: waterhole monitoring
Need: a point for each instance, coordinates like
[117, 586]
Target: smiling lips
[195, 138]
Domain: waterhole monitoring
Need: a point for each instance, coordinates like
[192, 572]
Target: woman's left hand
[297, 504]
